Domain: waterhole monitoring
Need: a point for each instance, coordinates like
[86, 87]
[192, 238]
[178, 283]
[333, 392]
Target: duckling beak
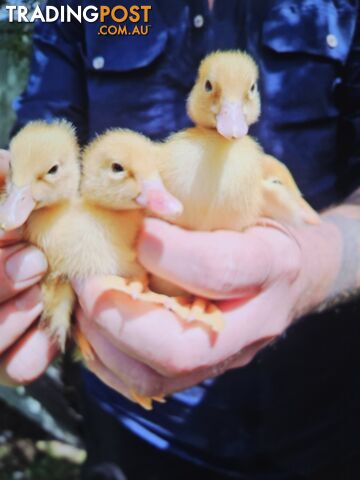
[17, 207]
[231, 121]
[157, 199]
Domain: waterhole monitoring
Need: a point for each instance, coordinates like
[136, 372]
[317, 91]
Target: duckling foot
[159, 399]
[146, 402]
[199, 310]
[85, 351]
[136, 288]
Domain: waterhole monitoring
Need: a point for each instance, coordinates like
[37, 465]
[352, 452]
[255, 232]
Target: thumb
[217, 265]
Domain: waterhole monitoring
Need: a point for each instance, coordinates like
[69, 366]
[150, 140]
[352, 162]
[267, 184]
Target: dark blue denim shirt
[296, 406]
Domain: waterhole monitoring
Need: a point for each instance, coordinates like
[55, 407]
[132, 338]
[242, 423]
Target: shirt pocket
[122, 77]
[139, 80]
[306, 44]
[124, 52]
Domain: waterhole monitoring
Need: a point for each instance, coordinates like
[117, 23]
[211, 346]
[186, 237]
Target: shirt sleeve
[349, 132]
[57, 83]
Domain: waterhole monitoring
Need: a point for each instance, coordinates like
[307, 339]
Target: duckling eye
[117, 168]
[253, 88]
[208, 86]
[53, 170]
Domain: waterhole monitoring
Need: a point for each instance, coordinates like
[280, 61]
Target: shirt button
[98, 63]
[199, 21]
[332, 41]
[336, 84]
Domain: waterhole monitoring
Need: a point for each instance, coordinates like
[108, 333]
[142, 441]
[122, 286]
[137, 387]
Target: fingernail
[29, 299]
[110, 319]
[23, 365]
[25, 265]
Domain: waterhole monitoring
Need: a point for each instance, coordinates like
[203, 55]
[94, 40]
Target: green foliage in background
[15, 48]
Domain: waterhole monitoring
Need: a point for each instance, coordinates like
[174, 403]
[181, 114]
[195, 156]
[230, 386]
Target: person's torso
[142, 82]
[291, 409]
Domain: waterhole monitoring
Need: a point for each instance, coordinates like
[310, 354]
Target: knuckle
[291, 263]
[219, 269]
[284, 258]
[185, 359]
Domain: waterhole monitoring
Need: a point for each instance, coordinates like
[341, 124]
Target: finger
[28, 359]
[172, 347]
[11, 237]
[240, 359]
[169, 386]
[111, 310]
[247, 354]
[7, 238]
[134, 374]
[17, 315]
[127, 375]
[108, 377]
[148, 333]
[4, 164]
[217, 265]
[20, 268]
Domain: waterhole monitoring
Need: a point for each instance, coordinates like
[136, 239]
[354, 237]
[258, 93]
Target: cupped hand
[265, 277]
[25, 349]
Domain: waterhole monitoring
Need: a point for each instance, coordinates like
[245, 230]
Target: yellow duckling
[218, 172]
[87, 234]
[42, 186]
[119, 178]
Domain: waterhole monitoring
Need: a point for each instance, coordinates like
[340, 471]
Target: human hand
[265, 277]
[25, 349]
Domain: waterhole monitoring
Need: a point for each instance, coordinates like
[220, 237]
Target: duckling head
[225, 95]
[119, 172]
[44, 171]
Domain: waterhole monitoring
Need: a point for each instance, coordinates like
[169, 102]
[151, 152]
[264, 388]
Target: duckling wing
[282, 199]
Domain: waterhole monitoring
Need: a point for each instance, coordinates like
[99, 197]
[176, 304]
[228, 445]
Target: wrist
[321, 252]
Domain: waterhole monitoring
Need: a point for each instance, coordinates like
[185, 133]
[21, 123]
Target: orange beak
[157, 199]
[17, 207]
